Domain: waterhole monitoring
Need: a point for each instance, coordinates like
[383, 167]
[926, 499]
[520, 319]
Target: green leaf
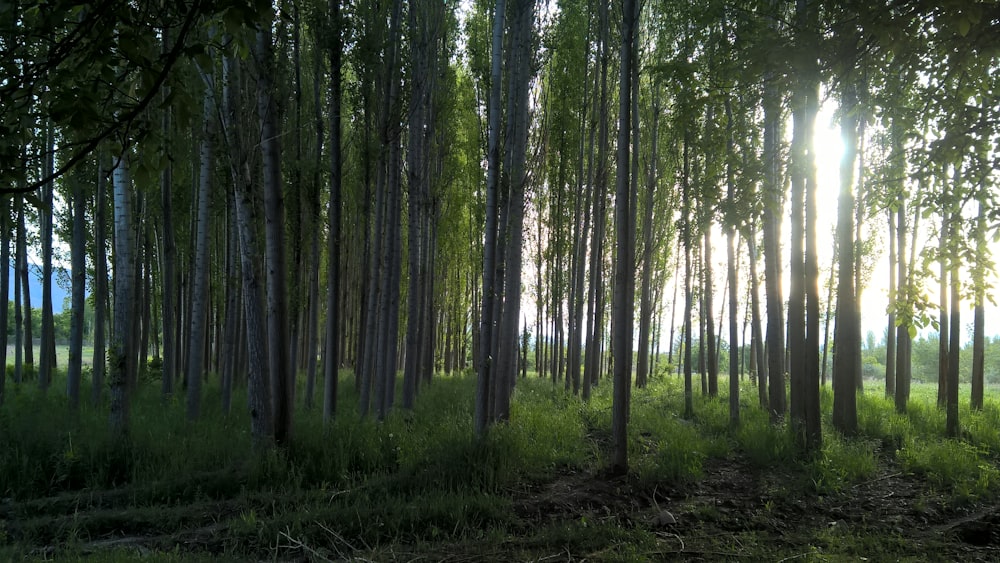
[963, 27]
[912, 330]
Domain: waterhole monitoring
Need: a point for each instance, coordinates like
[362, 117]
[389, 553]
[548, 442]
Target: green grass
[420, 478]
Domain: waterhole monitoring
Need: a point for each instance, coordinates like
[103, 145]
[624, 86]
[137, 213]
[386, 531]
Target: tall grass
[422, 476]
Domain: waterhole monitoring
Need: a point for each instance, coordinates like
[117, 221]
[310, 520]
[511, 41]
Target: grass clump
[765, 444]
[952, 464]
[841, 463]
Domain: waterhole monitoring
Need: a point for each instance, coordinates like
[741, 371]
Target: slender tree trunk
[688, 294]
[595, 296]
[485, 384]
[903, 341]
[5, 209]
[708, 345]
[731, 223]
[943, 316]
[22, 258]
[952, 427]
[584, 193]
[258, 386]
[120, 354]
[890, 333]
[772, 255]
[18, 316]
[168, 298]
[78, 259]
[200, 289]
[645, 300]
[757, 335]
[46, 367]
[622, 298]
[979, 313]
[100, 283]
[232, 296]
[282, 382]
[334, 247]
[845, 415]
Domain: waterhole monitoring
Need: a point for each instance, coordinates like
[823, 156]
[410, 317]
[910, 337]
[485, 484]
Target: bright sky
[875, 297]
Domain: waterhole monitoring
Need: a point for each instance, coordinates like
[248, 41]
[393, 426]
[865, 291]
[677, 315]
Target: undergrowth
[421, 476]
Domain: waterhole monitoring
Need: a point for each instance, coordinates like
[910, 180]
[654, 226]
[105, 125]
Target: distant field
[62, 354]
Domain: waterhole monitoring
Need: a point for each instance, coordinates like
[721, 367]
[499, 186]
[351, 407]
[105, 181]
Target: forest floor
[734, 512]
[418, 488]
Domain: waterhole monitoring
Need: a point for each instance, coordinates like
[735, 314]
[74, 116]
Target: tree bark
[47, 348]
[622, 299]
[282, 382]
[772, 253]
[484, 384]
[890, 338]
[120, 353]
[78, 260]
[199, 309]
[258, 386]
[646, 297]
[979, 313]
[333, 305]
[845, 415]
[952, 427]
[100, 283]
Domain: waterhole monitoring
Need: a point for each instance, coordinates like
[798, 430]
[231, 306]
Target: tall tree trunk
[5, 209]
[232, 296]
[952, 427]
[646, 297]
[78, 260]
[903, 339]
[584, 193]
[686, 218]
[803, 309]
[595, 295]
[258, 385]
[334, 245]
[757, 335]
[168, 274]
[622, 298]
[199, 310]
[22, 259]
[100, 283]
[845, 414]
[421, 130]
[731, 223]
[484, 384]
[979, 313]
[797, 278]
[811, 379]
[18, 315]
[282, 382]
[943, 317]
[120, 353]
[47, 349]
[708, 345]
[521, 28]
[772, 252]
[890, 333]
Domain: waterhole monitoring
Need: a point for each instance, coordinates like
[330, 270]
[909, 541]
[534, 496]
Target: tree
[282, 382]
[623, 296]
[333, 309]
[120, 352]
[486, 374]
[78, 252]
[199, 309]
[258, 377]
[846, 339]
